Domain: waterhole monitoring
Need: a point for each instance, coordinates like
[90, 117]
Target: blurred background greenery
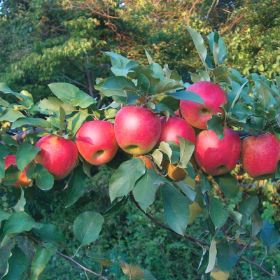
[45, 41]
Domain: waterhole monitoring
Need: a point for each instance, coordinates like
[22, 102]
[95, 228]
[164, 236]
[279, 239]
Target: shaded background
[43, 41]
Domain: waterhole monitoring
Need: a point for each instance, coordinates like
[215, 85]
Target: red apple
[23, 180]
[260, 154]
[137, 129]
[96, 142]
[217, 156]
[173, 128]
[199, 114]
[58, 155]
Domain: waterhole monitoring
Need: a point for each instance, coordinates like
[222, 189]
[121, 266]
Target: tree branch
[85, 269]
[197, 241]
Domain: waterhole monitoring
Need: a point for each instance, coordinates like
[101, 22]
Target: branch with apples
[206, 151]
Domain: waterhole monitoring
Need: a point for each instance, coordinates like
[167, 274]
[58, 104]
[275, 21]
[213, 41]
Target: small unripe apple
[58, 155]
[199, 114]
[217, 156]
[173, 128]
[137, 129]
[96, 142]
[260, 154]
[23, 180]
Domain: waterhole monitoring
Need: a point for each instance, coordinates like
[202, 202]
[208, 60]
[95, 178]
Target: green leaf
[186, 152]
[187, 190]
[87, 227]
[25, 154]
[75, 122]
[187, 96]
[2, 169]
[199, 44]
[218, 213]
[4, 215]
[123, 181]
[5, 88]
[11, 115]
[77, 187]
[19, 207]
[249, 206]
[165, 148]
[43, 179]
[228, 184]
[269, 235]
[18, 265]
[71, 94]
[4, 151]
[51, 105]
[31, 122]
[5, 253]
[146, 188]
[212, 256]
[121, 66]
[227, 256]
[18, 222]
[116, 86]
[176, 210]
[216, 124]
[40, 261]
[49, 233]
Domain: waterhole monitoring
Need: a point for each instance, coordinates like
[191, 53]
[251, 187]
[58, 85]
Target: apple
[199, 114]
[260, 154]
[137, 129]
[173, 128]
[96, 142]
[217, 156]
[23, 180]
[58, 155]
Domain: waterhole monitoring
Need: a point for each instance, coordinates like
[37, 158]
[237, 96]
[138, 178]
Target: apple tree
[207, 150]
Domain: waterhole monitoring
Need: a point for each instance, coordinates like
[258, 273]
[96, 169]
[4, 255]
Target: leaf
[18, 265]
[49, 233]
[121, 66]
[269, 235]
[19, 222]
[186, 152]
[71, 94]
[5, 253]
[212, 256]
[4, 215]
[19, 207]
[227, 256]
[146, 188]
[25, 154]
[31, 122]
[187, 96]
[122, 180]
[5, 88]
[43, 179]
[216, 124]
[187, 190]
[219, 275]
[176, 211]
[133, 272]
[249, 206]
[199, 44]
[2, 169]
[116, 86]
[77, 187]
[228, 184]
[40, 261]
[75, 122]
[218, 213]
[165, 148]
[87, 227]
[11, 115]
[157, 157]
[51, 105]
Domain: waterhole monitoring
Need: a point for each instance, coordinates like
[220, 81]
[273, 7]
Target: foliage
[235, 213]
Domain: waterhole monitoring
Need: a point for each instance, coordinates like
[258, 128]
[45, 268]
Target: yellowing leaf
[219, 275]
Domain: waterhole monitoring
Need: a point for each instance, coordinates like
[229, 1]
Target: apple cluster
[137, 130]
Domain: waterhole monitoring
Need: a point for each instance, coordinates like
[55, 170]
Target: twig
[21, 135]
[197, 241]
[155, 221]
[258, 266]
[85, 269]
